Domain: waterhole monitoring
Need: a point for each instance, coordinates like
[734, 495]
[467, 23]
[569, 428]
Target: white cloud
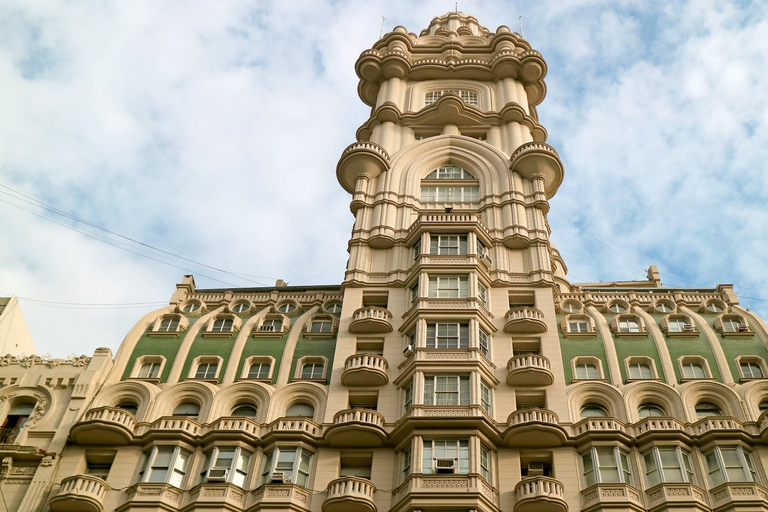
[202, 128]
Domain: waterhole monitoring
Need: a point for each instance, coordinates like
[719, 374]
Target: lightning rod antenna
[520, 19]
[381, 34]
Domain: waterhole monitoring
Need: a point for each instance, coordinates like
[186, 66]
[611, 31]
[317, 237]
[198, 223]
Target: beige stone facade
[15, 338]
[455, 368]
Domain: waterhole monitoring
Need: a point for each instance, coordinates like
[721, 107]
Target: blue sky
[200, 128]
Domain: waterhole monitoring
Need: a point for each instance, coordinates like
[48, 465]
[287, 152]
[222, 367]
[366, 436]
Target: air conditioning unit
[687, 327]
[408, 350]
[487, 258]
[445, 465]
[743, 327]
[535, 469]
[278, 478]
[217, 475]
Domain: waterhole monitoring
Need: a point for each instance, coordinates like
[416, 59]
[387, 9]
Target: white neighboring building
[14, 334]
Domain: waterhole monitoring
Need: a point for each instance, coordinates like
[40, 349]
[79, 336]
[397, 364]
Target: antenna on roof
[456, 6]
[520, 19]
[381, 34]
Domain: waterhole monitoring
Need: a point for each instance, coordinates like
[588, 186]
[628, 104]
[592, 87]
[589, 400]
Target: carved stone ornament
[40, 409]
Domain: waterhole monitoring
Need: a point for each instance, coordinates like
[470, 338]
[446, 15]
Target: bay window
[288, 465]
[228, 465]
[730, 464]
[667, 464]
[606, 464]
[448, 335]
[445, 456]
[448, 287]
[164, 464]
[447, 244]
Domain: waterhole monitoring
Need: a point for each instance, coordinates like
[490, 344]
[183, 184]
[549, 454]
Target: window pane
[609, 471]
[671, 465]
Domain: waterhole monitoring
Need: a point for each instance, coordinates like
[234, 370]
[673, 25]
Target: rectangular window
[448, 336]
[676, 325]
[222, 325]
[165, 464]
[450, 194]
[447, 244]
[206, 370]
[271, 325]
[692, 370]
[484, 345]
[629, 325]
[448, 287]
[485, 463]
[482, 295]
[406, 455]
[751, 370]
[482, 250]
[313, 371]
[486, 397]
[149, 371]
[578, 326]
[417, 250]
[169, 325]
[259, 371]
[446, 390]
[287, 465]
[667, 464]
[321, 326]
[587, 371]
[640, 371]
[445, 456]
[414, 292]
[408, 402]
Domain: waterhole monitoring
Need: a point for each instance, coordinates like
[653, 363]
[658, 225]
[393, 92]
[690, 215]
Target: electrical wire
[51, 209]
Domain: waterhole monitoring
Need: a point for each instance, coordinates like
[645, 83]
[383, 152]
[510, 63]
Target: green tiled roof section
[689, 346]
[164, 346]
[746, 346]
[317, 346]
[207, 346]
[636, 346]
[263, 346]
[577, 346]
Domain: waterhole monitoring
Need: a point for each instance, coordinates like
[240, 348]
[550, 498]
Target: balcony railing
[357, 427]
[350, 494]
[365, 370]
[371, 319]
[105, 425]
[540, 494]
[80, 493]
[525, 319]
[534, 428]
[9, 434]
[529, 370]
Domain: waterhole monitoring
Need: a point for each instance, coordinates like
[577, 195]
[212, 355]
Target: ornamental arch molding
[201, 393]
[42, 398]
[242, 393]
[578, 395]
[753, 393]
[140, 392]
[411, 165]
[642, 392]
[309, 392]
[719, 394]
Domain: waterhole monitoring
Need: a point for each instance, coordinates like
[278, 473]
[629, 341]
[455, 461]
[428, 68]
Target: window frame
[690, 361]
[271, 462]
[584, 361]
[442, 287]
[747, 464]
[460, 341]
[261, 360]
[461, 460]
[173, 474]
[684, 465]
[315, 361]
[623, 466]
[751, 361]
[462, 390]
[238, 473]
[442, 244]
[194, 368]
[148, 359]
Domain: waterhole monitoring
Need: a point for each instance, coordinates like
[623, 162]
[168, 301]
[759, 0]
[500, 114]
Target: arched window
[467, 96]
[187, 409]
[450, 172]
[245, 411]
[593, 410]
[704, 409]
[286, 307]
[617, 307]
[300, 410]
[650, 410]
[130, 407]
[432, 191]
[240, 307]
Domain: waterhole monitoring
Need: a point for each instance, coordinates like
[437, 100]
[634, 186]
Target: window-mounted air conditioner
[217, 475]
[535, 469]
[445, 465]
[486, 258]
[267, 328]
[279, 478]
[687, 327]
[743, 327]
[408, 350]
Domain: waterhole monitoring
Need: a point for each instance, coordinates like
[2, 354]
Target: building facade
[455, 368]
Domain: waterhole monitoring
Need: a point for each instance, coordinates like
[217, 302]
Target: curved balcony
[739, 496]
[525, 320]
[659, 427]
[350, 494]
[279, 497]
[599, 428]
[534, 428]
[172, 427]
[356, 427]
[104, 425]
[529, 370]
[293, 429]
[81, 493]
[534, 158]
[540, 494]
[371, 320]
[676, 496]
[360, 158]
[365, 370]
